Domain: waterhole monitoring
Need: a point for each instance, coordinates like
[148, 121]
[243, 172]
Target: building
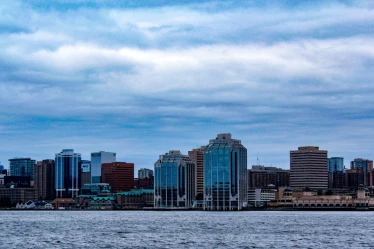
[225, 174]
[85, 172]
[261, 176]
[174, 181]
[18, 195]
[97, 159]
[197, 157]
[309, 168]
[22, 167]
[44, 179]
[135, 199]
[145, 173]
[336, 173]
[119, 175]
[1, 167]
[67, 173]
[260, 196]
[363, 168]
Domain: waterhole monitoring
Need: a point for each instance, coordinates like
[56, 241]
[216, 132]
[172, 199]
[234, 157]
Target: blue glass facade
[336, 164]
[174, 180]
[364, 165]
[22, 167]
[97, 159]
[225, 174]
[67, 173]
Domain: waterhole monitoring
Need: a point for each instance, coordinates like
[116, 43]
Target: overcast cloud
[141, 80]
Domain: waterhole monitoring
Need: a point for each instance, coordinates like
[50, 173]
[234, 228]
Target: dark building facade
[261, 177]
[44, 179]
[22, 167]
[119, 175]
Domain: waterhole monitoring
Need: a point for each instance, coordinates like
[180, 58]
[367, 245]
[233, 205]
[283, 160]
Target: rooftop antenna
[258, 162]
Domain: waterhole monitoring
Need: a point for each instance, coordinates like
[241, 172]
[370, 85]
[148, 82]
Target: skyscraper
[44, 179]
[145, 173]
[197, 157]
[174, 180]
[336, 173]
[119, 175]
[309, 168]
[97, 159]
[67, 173]
[22, 167]
[225, 174]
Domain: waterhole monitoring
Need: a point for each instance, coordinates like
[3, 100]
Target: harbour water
[179, 229]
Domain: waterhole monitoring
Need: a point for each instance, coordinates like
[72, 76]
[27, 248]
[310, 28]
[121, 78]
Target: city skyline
[141, 79]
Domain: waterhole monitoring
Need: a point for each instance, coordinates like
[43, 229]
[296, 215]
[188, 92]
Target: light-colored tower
[308, 168]
[225, 174]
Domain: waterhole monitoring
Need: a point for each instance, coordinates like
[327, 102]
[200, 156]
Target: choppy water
[146, 229]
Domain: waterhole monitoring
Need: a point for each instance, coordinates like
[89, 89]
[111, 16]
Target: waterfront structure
[135, 198]
[119, 175]
[309, 168]
[174, 181]
[94, 188]
[225, 174]
[197, 157]
[22, 167]
[260, 196]
[97, 159]
[67, 173]
[336, 173]
[16, 195]
[44, 179]
[261, 176]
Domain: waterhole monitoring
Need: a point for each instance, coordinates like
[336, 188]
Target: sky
[140, 78]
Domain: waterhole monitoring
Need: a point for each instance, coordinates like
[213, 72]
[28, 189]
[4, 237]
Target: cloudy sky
[141, 78]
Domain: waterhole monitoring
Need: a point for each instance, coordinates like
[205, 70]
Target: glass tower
[225, 174]
[97, 159]
[22, 167]
[336, 164]
[174, 180]
[67, 173]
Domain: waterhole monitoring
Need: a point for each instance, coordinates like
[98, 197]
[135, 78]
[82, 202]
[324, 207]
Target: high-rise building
[174, 180]
[336, 173]
[22, 167]
[145, 173]
[85, 172]
[260, 177]
[119, 175]
[67, 173]
[309, 168]
[197, 157]
[1, 167]
[361, 173]
[225, 174]
[97, 159]
[44, 179]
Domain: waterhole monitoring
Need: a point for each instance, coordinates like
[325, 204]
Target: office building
[22, 167]
[361, 173]
[1, 167]
[85, 172]
[309, 168]
[174, 181]
[197, 157]
[67, 173]
[261, 176]
[97, 159]
[225, 174]
[336, 173]
[119, 175]
[145, 173]
[44, 179]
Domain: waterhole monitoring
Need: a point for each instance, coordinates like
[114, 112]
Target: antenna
[258, 162]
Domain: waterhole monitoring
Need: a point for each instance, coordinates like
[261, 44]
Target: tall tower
[225, 174]
[174, 180]
[44, 178]
[97, 159]
[67, 173]
[197, 157]
[309, 168]
[119, 175]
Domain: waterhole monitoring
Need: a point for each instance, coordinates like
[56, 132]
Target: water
[146, 229]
